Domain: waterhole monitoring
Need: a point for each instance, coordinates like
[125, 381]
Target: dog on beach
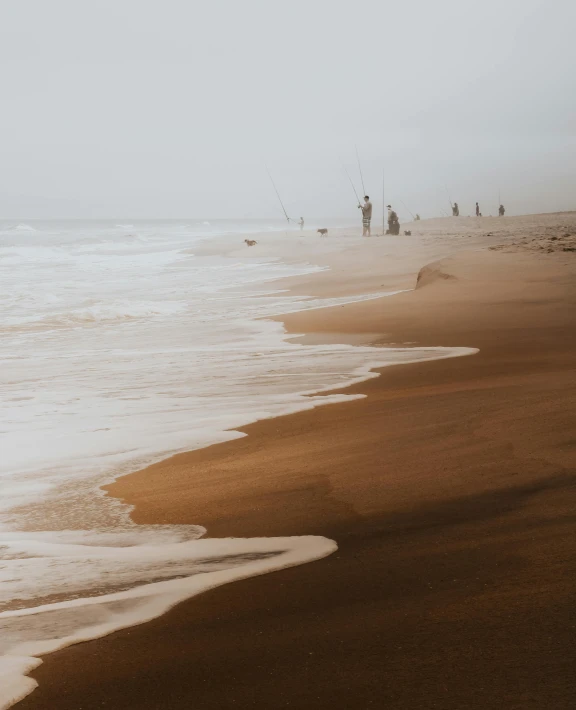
[251, 242]
[407, 233]
[322, 232]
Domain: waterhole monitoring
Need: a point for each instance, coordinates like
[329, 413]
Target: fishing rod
[349, 178]
[360, 169]
[277, 195]
[449, 198]
[383, 204]
[405, 205]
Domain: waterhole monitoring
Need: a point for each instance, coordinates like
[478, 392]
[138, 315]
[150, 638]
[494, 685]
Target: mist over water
[148, 109]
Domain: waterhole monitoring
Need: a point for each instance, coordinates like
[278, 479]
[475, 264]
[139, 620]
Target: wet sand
[450, 489]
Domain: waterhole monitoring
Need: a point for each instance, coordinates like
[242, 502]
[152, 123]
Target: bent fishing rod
[360, 169]
[406, 206]
[278, 195]
[349, 178]
[449, 198]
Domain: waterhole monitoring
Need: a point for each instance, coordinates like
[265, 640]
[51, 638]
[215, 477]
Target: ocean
[120, 346]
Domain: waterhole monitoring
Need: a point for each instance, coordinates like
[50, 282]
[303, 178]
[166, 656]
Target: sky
[174, 108]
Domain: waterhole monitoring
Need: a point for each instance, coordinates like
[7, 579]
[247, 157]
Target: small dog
[407, 233]
[322, 232]
[251, 242]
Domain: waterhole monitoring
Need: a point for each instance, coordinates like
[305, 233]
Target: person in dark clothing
[478, 213]
[501, 211]
[455, 210]
[393, 222]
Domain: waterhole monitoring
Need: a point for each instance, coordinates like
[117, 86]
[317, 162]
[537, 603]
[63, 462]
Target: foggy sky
[171, 108]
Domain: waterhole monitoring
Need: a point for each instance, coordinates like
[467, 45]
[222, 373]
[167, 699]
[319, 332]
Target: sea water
[120, 346]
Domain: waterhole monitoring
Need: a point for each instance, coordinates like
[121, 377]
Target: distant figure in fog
[478, 213]
[455, 210]
[501, 211]
[301, 223]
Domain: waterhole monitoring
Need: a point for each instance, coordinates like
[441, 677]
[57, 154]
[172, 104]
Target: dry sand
[450, 490]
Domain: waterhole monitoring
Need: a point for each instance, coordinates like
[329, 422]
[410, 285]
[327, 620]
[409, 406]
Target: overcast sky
[171, 108]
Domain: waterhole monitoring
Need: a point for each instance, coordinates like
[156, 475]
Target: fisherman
[478, 214]
[501, 211]
[301, 223]
[455, 210]
[366, 216]
[393, 222]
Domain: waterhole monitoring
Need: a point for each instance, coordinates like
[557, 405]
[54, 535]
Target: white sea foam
[23, 228]
[189, 567]
[92, 314]
[117, 351]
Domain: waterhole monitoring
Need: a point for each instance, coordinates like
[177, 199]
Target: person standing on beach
[478, 210]
[366, 216]
[455, 210]
[301, 223]
[501, 211]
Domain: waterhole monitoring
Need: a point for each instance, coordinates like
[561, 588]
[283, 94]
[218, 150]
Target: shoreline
[326, 502]
[170, 596]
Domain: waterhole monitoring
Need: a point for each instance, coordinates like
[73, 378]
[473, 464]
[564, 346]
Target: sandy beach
[449, 488]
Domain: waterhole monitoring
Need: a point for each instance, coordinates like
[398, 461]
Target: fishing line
[277, 194]
[449, 198]
[349, 178]
[360, 169]
[383, 202]
[405, 205]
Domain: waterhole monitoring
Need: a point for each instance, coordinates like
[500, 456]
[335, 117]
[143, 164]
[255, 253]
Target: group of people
[393, 221]
[456, 210]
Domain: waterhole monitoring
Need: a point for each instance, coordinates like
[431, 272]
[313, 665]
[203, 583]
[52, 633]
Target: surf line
[142, 603]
